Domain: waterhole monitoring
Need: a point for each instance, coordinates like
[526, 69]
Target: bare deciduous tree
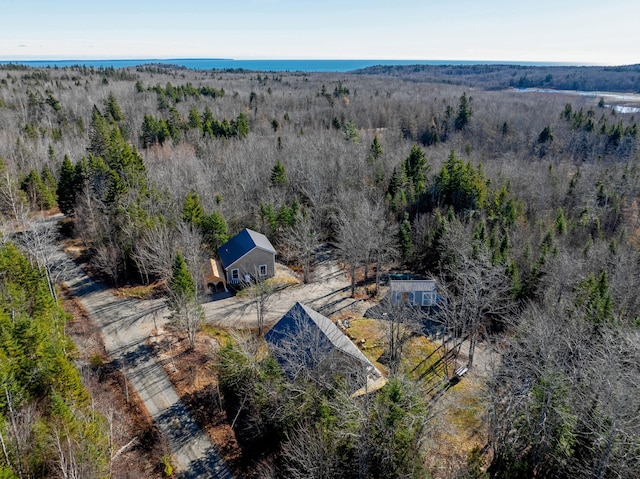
[352, 237]
[300, 242]
[480, 292]
[262, 295]
[40, 240]
[403, 322]
[154, 252]
[310, 453]
[13, 201]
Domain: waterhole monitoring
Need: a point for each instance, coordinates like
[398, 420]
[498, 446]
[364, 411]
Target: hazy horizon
[568, 32]
[403, 60]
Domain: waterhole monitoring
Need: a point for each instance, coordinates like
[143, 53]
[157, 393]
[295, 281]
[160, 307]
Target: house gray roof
[241, 244]
[412, 285]
[302, 328]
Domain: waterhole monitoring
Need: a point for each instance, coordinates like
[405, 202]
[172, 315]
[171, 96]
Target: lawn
[458, 425]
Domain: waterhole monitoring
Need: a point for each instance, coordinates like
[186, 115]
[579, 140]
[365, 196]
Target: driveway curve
[126, 325]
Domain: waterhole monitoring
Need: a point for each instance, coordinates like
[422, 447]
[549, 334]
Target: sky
[566, 31]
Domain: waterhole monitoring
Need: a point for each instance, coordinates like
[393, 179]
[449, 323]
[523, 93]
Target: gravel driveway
[126, 325]
[328, 293]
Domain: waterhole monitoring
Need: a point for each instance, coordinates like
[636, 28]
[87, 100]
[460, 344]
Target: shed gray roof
[412, 285]
[241, 244]
[291, 330]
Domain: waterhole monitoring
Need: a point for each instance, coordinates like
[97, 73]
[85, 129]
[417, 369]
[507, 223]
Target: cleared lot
[327, 294]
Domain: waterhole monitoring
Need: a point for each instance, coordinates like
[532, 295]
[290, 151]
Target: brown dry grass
[285, 276]
[140, 291]
[460, 426]
[195, 382]
[373, 333]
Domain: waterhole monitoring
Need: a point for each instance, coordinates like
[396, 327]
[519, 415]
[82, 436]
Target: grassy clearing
[459, 425]
[219, 334]
[374, 335]
[420, 358]
[467, 409]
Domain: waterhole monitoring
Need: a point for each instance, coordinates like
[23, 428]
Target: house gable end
[242, 244]
[237, 260]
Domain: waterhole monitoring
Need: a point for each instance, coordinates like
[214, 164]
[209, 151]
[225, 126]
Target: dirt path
[126, 325]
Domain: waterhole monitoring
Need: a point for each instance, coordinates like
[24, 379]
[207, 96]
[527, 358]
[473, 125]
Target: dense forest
[496, 77]
[522, 205]
[48, 427]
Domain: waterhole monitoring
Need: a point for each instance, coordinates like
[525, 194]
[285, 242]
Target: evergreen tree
[242, 126]
[397, 182]
[416, 168]
[181, 282]
[192, 210]
[67, 187]
[126, 165]
[207, 121]
[39, 195]
[561, 222]
[42, 392]
[546, 136]
[52, 101]
[464, 113]
[225, 129]
[155, 131]
[51, 154]
[375, 150]
[351, 131]
[595, 297]
[278, 174]
[514, 275]
[112, 110]
[195, 120]
[99, 134]
[50, 185]
[214, 230]
[175, 124]
[460, 185]
[396, 428]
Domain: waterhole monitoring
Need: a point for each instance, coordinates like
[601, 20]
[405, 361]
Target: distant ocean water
[260, 65]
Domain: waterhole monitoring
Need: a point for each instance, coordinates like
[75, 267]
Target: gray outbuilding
[248, 256]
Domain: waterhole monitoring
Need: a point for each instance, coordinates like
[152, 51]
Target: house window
[263, 270]
[427, 298]
[235, 275]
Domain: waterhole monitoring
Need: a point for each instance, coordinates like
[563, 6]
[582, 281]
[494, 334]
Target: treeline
[587, 78]
[48, 427]
[523, 206]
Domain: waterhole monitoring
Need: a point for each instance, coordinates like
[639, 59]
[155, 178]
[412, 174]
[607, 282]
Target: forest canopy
[523, 206]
